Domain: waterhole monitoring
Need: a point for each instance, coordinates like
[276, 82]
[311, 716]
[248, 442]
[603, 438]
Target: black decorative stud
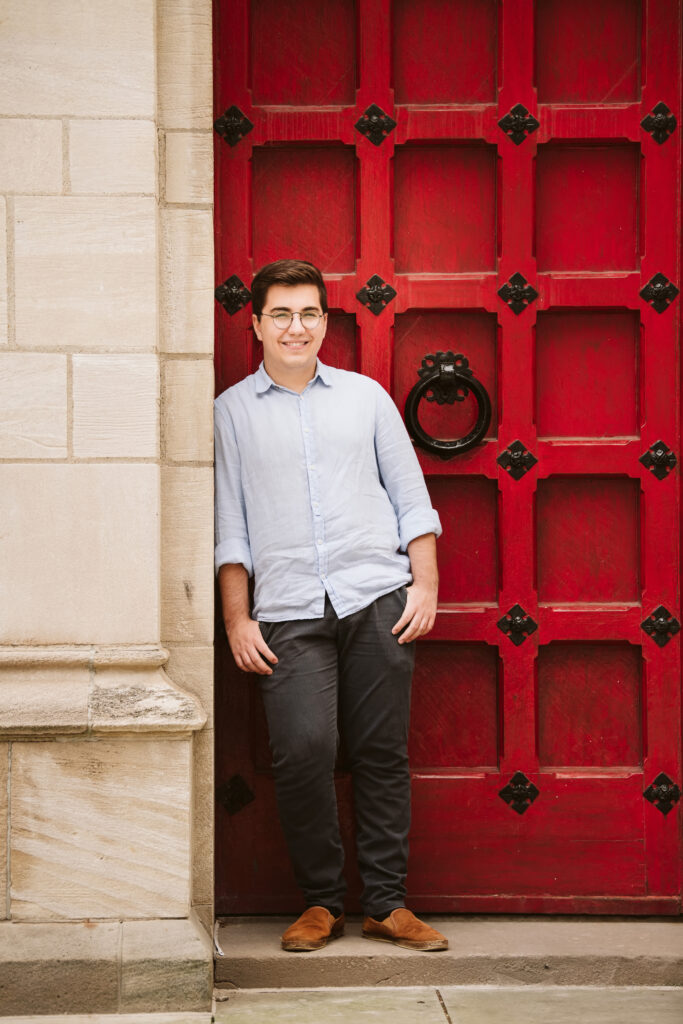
[659, 292]
[518, 293]
[516, 460]
[519, 793]
[233, 125]
[663, 793]
[376, 294]
[659, 459]
[660, 123]
[517, 625]
[661, 626]
[234, 794]
[518, 123]
[233, 295]
[375, 124]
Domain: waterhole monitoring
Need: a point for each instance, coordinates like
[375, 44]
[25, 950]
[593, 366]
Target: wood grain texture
[446, 210]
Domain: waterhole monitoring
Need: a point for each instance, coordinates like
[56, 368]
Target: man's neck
[295, 381]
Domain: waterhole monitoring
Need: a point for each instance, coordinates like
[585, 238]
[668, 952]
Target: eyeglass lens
[308, 320]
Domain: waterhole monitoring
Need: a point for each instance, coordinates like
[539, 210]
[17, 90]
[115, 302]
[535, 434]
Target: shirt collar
[263, 382]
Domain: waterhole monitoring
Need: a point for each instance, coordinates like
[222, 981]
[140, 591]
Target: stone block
[187, 555]
[58, 968]
[395, 1004]
[113, 157]
[115, 406]
[100, 829]
[185, 63]
[204, 915]
[189, 167]
[136, 700]
[44, 700]
[30, 155]
[191, 668]
[4, 772]
[187, 276]
[542, 1004]
[94, 59]
[188, 410]
[165, 965]
[85, 272]
[202, 815]
[80, 553]
[3, 272]
[32, 405]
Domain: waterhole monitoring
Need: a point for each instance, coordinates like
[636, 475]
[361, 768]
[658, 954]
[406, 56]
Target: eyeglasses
[283, 321]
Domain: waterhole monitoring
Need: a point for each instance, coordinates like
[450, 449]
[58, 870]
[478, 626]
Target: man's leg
[375, 674]
[375, 679]
[300, 700]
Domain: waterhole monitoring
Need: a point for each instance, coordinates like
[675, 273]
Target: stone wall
[106, 386]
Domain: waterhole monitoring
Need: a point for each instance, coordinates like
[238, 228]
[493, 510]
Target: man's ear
[257, 326]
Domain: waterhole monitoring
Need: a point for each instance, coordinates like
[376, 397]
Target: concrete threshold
[484, 950]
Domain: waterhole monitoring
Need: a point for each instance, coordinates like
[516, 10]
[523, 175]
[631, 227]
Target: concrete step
[530, 1004]
[484, 950]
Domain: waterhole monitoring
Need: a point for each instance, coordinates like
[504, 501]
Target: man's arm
[418, 522]
[244, 636]
[420, 610]
[233, 553]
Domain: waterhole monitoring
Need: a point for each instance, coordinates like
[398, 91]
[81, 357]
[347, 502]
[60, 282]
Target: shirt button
[311, 466]
[319, 540]
[323, 577]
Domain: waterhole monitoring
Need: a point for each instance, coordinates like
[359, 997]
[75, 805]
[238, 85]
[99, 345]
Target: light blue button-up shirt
[319, 492]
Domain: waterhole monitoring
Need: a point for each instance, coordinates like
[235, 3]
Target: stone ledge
[484, 950]
[104, 967]
[140, 656]
[66, 968]
[166, 965]
[69, 690]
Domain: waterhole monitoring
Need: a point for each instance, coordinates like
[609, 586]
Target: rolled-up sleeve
[401, 474]
[232, 537]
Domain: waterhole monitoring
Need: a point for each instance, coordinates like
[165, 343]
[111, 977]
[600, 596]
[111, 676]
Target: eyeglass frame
[273, 316]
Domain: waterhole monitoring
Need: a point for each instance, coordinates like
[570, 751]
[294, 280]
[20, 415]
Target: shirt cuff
[415, 524]
[233, 552]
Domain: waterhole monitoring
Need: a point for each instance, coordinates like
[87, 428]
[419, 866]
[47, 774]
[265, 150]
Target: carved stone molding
[139, 656]
[68, 690]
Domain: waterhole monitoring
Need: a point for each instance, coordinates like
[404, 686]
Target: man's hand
[420, 610]
[244, 636]
[419, 613]
[247, 645]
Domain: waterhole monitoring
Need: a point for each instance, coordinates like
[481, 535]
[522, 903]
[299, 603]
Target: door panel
[547, 699]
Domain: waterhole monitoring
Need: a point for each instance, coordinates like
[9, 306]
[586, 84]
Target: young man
[320, 496]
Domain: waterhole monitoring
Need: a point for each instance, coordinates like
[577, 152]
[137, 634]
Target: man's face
[290, 353]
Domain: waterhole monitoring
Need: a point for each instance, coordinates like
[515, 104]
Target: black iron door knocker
[446, 378]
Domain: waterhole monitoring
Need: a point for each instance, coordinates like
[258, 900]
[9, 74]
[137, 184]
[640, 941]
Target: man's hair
[288, 273]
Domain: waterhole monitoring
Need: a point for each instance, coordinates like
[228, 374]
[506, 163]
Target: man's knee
[306, 751]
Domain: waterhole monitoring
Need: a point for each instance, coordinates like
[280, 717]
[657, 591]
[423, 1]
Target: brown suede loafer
[312, 930]
[404, 929]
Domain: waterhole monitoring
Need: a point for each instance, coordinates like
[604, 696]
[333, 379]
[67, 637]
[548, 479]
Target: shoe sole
[436, 946]
[296, 947]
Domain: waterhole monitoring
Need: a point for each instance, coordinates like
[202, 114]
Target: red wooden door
[518, 192]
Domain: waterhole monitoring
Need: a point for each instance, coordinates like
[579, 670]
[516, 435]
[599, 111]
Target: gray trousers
[352, 670]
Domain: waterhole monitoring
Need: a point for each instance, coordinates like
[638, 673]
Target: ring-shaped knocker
[446, 378]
